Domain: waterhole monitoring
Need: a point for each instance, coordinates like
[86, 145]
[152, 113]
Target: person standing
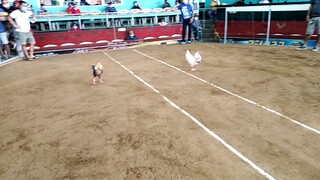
[213, 11]
[20, 21]
[196, 27]
[6, 6]
[4, 35]
[313, 19]
[187, 19]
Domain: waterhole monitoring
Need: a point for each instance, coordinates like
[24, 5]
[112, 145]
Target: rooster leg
[193, 68]
[100, 79]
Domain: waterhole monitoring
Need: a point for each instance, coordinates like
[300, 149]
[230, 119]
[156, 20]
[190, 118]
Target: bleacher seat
[135, 11]
[146, 10]
[149, 38]
[68, 44]
[163, 37]
[168, 9]
[123, 11]
[157, 10]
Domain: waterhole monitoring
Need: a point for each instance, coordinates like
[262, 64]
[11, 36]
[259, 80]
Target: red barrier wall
[78, 37]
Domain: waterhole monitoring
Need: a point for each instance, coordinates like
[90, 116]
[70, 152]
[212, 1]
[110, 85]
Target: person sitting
[264, 2]
[240, 2]
[163, 22]
[75, 27]
[75, 9]
[42, 10]
[84, 2]
[111, 9]
[132, 37]
[136, 5]
[70, 8]
[166, 4]
[196, 26]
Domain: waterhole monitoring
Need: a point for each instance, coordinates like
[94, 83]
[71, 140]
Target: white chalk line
[232, 149]
[10, 61]
[233, 94]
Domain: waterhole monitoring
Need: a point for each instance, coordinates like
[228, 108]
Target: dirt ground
[55, 125]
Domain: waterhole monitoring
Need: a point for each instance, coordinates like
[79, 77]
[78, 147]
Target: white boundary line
[233, 94]
[232, 149]
[10, 61]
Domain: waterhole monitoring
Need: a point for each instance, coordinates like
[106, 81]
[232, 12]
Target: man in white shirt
[22, 25]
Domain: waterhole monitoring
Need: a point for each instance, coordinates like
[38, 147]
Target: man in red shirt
[76, 10]
[70, 8]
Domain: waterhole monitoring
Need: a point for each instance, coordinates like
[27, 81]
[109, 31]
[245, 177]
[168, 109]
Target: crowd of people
[15, 31]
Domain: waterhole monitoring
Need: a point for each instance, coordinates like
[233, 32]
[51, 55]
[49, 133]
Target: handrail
[106, 13]
[266, 4]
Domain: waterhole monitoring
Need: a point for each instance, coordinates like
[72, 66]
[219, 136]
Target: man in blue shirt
[110, 8]
[187, 19]
[132, 37]
[313, 18]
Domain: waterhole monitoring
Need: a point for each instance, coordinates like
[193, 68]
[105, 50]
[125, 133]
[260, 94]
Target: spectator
[42, 10]
[30, 8]
[5, 6]
[163, 22]
[20, 20]
[111, 9]
[3, 35]
[313, 19]
[16, 5]
[75, 27]
[177, 3]
[187, 19]
[75, 9]
[132, 37]
[70, 8]
[191, 3]
[264, 2]
[166, 4]
[213, 11]
[11, 36]
[196, 27]
[240, 2]
[53, 2]
[84, 2]
[136, 5]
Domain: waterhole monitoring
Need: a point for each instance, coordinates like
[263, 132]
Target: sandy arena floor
[55, 125]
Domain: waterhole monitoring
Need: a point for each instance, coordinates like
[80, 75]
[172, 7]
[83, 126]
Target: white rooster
[193, 60]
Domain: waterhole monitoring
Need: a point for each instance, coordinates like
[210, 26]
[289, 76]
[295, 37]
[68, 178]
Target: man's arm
[10, 19]
[34, 18]
[309, 11]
